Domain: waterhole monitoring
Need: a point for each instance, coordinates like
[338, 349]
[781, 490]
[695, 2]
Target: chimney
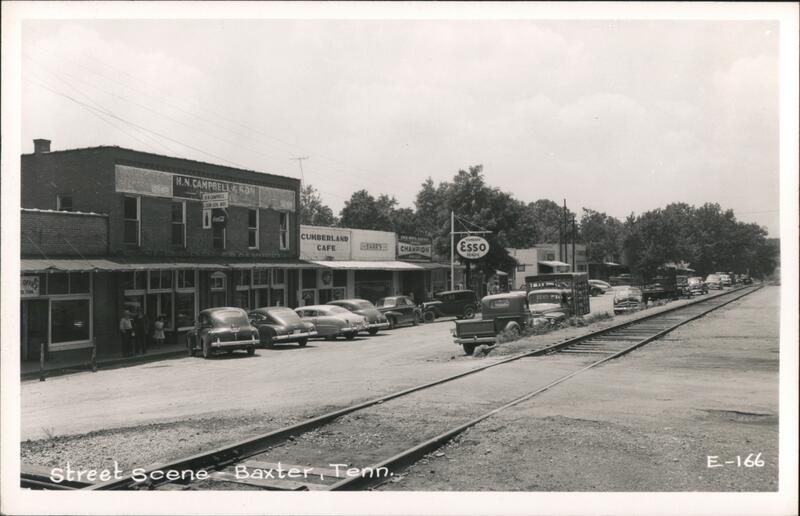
[41, 146]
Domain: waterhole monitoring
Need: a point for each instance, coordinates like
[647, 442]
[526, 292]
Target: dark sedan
[222, 329]
[375, 319]
[399, 310]
[279, 324]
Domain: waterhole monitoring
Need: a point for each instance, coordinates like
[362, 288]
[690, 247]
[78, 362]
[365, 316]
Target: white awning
[554, 263]
[367, 265]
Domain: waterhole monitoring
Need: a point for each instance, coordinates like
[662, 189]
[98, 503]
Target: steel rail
[411, 455]
[232, 453]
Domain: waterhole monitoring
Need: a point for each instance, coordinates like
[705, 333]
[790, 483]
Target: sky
[620, 116]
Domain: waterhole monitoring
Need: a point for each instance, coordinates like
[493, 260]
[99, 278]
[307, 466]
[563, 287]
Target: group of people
[135, 332]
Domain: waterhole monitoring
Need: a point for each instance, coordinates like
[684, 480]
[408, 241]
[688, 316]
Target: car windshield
[712, 277]
[628, 292]
[386, 302]
[336, 310]
[228, 317]
[544, 297]
[695, 281]
[284, 315]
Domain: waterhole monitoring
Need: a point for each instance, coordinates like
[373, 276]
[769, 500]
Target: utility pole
[300, 162]
[574, 266]
[566, 255]
[452, 250]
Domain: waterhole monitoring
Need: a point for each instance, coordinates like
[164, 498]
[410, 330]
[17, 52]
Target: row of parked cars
[229, 329]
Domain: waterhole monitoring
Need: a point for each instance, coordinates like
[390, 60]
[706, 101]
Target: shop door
[34, 328]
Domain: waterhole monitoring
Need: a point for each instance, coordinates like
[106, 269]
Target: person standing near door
[126, 332]
[141, 327]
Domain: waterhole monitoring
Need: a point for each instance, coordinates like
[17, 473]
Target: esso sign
[472, 247]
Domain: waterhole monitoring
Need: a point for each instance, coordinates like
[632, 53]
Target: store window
[184, 310]
[217, 281]
[186, 279]
[252, 229]
[132, 219]
[277, 291]
[179, 223]
[243, 278]
[68, 283]
[243, 281]
[160, 280]
[520, 268]
[551, 257]
[340, 278]
[309, 278]
[219, 294]
[284, 230]
[135, 280]
[70, 320]
[260, 277]
[64, 202]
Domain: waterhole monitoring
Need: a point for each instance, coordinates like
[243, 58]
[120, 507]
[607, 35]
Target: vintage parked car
[714, 281]
[459, 303]
[508, 312]
[333, 321]
[598, 287]
[548, 305]
[697, 286]
[376, 321]
[398, 310]
[222, 329]
[279, 324]
[726, 280]
[628, 299]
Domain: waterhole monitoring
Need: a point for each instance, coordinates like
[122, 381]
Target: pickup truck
[499, 312]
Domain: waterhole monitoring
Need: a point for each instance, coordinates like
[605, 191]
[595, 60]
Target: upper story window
[133, 223]
[179, 223]
[64, 202]
[252, 229]
[551, 256]
[284, 230]
[218, 237]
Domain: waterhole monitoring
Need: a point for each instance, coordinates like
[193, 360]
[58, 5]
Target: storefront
[70, 304]
[57, 311]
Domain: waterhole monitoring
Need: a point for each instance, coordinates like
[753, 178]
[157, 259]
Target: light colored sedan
[333, 321]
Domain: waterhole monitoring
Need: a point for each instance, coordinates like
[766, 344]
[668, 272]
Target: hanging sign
[215, 200]
[472, 247]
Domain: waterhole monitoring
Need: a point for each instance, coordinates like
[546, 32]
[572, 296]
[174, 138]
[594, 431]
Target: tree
[601, 233]
[363, 211]
[548, 217]
[312, 210]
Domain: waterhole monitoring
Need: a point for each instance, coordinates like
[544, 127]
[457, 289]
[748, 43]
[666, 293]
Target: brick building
[105, 229]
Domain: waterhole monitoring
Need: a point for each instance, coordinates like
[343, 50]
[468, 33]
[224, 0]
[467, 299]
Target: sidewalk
[55, 367]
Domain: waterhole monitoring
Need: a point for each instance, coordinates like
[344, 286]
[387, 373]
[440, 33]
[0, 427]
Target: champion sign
[472, 247]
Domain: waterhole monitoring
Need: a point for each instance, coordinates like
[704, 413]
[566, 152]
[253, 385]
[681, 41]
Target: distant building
[545, 259]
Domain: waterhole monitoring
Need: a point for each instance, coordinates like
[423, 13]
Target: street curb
[112, 363]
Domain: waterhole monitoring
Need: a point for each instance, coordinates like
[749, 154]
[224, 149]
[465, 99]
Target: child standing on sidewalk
[158, 331]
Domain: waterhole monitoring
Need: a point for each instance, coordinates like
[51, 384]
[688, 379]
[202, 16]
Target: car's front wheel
[429, 316]
[302, 342]
[206, 348]
[190, 347]
[372, 331]
[392, 323]
[251, 350]
[468, 349]
[350, 335]
[469, 312]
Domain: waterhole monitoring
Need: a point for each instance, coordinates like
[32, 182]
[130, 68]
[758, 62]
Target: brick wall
[52, 232]
[88, 176]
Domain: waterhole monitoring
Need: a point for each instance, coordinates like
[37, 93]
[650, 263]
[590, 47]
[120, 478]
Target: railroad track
[274, 461]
